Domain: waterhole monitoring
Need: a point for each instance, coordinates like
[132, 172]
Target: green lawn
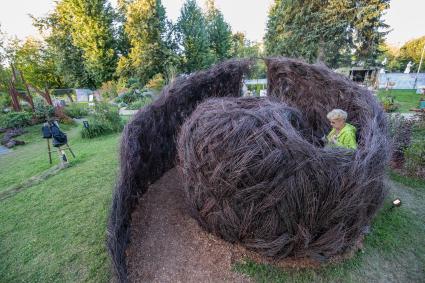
[55, 231]
[407, 181]
[405, 98]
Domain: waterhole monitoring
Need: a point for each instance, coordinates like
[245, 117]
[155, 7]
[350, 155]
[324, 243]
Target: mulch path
[167, 245]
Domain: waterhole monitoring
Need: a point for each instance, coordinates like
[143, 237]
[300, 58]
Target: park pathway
[167, 245]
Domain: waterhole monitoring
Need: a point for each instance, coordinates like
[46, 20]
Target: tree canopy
[150, 52]
[88, 42]
[398, 58]
[219, 32]
[91, 30]
[194, 38]
[81, 38]
[327, 30]
[33, 59]
[412, 51]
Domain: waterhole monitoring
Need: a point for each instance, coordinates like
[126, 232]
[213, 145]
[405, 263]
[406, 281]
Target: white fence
[401, 81]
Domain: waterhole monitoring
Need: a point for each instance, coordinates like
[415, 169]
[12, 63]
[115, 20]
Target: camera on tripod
[51, 130]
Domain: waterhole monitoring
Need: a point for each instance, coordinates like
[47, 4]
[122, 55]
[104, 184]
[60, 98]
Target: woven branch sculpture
[253, 168]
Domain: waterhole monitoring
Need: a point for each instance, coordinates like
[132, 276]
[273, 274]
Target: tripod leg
[73, 155]
[62, 157]
[48, 148]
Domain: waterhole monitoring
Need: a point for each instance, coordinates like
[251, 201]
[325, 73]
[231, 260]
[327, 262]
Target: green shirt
[346, 137]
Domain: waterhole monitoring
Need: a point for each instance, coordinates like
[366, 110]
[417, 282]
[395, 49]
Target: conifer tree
[326, 30]
[194, 40]
[147, 29]
[91, 31]
[219, 32]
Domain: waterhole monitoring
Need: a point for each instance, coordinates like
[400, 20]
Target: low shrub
[5, 100]
[400, 130]
[128, 97]
[15, 119]
[256, 88]
[109, 90]
[105, 120]
[140, 103]
[156, 83]
[388, 103]
[420, 123]
[62, 117]
[414, 155]
[76, 110]
[42, 111]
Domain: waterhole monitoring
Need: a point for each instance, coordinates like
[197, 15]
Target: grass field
[54, 231]
[406, 99]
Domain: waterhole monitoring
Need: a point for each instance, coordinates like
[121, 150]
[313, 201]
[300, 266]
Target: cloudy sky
[250, 16]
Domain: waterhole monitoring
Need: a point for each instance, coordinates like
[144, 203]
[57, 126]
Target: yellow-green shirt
[345, 138]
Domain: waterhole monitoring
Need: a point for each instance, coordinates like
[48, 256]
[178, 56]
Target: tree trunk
[27, 97]
[70, 97]
[45, 94]
[15, 101]
[48, 97]
[30, 100]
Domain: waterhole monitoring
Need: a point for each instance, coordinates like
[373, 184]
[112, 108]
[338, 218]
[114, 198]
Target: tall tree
[370, 29]
[120, 20]
[2, 46]
[244, 48]
[70, 63]
[412, 51]
[91, 31]
[34, 61]
[326, 30]
[5, 99]
[390, 57]
[150, 53]
[194, 38]
[219, 32]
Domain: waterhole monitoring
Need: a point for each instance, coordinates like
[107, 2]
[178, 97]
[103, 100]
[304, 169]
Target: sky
[405, 17]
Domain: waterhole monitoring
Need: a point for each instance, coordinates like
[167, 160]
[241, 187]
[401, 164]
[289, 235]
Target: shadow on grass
[407, 181]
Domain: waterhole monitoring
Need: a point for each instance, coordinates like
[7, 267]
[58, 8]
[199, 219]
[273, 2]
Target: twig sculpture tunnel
[253, 168]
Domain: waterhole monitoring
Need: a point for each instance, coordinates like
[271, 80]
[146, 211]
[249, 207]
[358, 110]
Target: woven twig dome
[254, 168]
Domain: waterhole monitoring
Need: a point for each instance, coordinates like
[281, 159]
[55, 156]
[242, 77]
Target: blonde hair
[337, 114]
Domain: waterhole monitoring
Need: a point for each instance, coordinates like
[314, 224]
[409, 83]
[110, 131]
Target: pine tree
[369, 27]
[326, 30]
[147, 29]
[91, 31]
[219, 32]
[193, 38]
